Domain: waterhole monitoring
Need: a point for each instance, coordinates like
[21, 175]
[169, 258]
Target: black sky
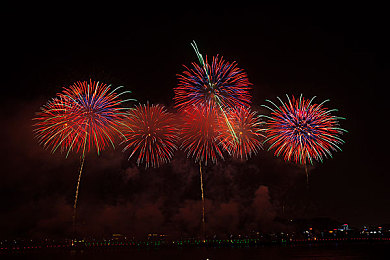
[330, 51]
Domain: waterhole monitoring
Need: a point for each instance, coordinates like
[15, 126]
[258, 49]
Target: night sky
[332, 52]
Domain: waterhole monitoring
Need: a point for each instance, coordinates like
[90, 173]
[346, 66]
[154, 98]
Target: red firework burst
[247, 128]
[85, 116]
[200, 135]
[151, 135]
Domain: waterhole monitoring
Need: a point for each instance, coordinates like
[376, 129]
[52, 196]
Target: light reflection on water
[358, 251]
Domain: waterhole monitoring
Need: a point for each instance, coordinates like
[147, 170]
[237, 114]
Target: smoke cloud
[117, 196]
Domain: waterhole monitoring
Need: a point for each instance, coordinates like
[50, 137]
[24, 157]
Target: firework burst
[219, 84]
[200, 135]
[151, 135]
[248, 129]
[303, 132]
[85, 116]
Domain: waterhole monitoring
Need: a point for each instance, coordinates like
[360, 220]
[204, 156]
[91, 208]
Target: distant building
[118, 237]
[344, 227]
[156, 237]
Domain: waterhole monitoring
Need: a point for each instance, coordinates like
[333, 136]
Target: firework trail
[151, 135]
[84, 116]
[201, 141]
[248, 128]
[302, 131]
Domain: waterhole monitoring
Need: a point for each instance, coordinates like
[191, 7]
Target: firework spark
[151, 135]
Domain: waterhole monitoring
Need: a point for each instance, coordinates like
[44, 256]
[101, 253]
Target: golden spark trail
[77, 193]
[78, 185]
[307, 176]
[203, 206]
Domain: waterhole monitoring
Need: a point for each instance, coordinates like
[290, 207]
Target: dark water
[362, 251]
